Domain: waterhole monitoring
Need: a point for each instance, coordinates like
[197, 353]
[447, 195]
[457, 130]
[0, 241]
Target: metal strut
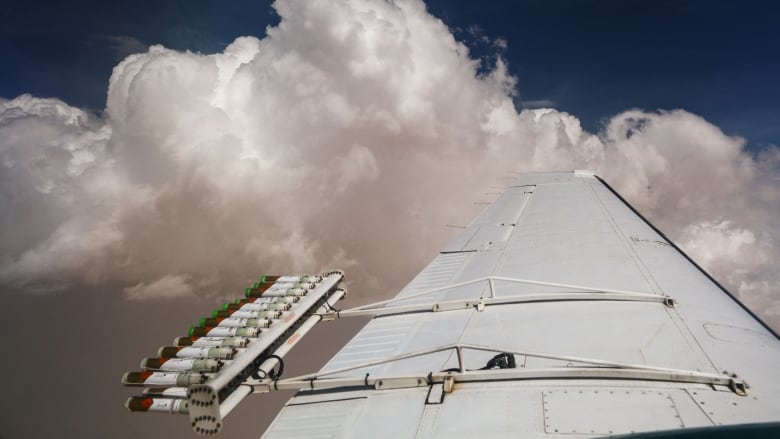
[603, 369]
[579, 293]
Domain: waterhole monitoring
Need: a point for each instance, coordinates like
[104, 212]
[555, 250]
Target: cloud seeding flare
[347, 136]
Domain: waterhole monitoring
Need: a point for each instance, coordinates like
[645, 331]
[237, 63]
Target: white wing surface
[611, 329]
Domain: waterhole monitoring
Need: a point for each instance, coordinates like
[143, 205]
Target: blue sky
[590, 58]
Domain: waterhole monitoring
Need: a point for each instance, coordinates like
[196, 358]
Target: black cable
[274, 375]
[331, 307]
[278, 374]
[503, 360]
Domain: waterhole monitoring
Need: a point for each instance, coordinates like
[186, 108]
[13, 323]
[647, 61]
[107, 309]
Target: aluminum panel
[437, 274]
[459, 242]
[509, 414]
[507, 208]
[487, 234]
[569, 228]
[316, 421]
[607, 412]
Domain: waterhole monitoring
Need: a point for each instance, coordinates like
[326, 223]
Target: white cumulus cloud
[168, 286]
[346, 136]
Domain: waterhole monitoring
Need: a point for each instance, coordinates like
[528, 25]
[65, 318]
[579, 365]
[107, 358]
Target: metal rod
[423, 293]
[505, 375]
[375, 363]
[490, 280]
[554, 284]
[595, 361]
[459, 346]
[521, 298]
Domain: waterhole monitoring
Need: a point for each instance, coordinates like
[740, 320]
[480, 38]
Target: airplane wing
[559, 311]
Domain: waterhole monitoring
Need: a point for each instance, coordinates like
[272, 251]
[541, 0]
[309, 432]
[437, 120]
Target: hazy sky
[155, 159]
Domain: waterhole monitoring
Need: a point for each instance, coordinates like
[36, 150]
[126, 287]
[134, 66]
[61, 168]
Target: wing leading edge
[559, 310]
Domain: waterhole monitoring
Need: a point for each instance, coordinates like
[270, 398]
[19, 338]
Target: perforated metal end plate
[204, 410]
